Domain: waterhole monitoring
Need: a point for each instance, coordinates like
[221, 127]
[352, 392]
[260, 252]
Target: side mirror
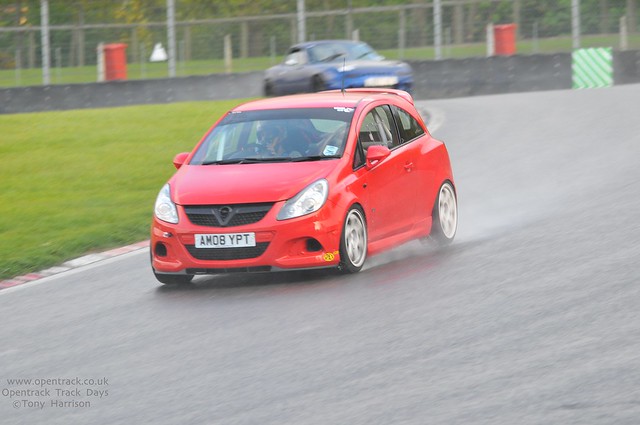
[179, 159]
[375, 154]
[291, 62]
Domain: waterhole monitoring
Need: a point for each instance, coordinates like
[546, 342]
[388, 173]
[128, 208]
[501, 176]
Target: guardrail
[433, 79]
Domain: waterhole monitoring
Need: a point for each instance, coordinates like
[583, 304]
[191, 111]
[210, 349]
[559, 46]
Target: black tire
[317, 84]
[445, 215]
[268, 89]
[353, 241]
[173, 279]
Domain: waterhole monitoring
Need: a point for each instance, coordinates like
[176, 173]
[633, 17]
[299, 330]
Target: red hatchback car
[304, 181]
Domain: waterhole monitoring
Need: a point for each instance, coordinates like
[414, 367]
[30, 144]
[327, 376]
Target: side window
[369, 132]
[296, 57]
[378, 129]
[388, 125]
[408, 126]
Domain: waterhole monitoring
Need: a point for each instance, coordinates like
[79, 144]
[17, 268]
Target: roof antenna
[344, 67]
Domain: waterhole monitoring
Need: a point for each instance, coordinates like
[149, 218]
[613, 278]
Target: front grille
[226, 215]
[223, 254]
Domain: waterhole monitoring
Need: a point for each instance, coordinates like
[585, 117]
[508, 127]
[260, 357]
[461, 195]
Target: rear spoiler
[405, 95]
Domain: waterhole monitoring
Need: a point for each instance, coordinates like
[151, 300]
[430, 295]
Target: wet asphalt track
[531, 317]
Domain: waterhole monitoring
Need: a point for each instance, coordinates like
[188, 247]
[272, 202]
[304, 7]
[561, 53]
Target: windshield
[328, 52]
[281, 135]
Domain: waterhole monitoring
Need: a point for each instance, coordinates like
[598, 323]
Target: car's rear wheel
[353, 242]
[445, 215]
[317, 84]
[173, 279]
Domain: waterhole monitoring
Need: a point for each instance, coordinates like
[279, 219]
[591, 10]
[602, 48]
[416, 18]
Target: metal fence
[423, 29]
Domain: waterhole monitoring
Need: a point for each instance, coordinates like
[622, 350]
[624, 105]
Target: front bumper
[310, 241]
[400, 82]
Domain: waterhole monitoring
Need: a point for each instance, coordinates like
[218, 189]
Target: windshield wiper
[268, 159]
[313, 158]
[248, 160]
[225, 161]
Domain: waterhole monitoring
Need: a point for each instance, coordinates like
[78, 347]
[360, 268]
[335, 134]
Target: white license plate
[380, 81]
[226, 240]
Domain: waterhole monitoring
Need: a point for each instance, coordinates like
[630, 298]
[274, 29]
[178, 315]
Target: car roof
[326, 99]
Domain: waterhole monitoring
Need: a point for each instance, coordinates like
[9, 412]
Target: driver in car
[272, 140]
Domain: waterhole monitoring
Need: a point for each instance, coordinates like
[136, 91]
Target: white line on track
[78, 269]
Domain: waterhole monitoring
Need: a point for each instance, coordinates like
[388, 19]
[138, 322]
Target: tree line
[597, 15]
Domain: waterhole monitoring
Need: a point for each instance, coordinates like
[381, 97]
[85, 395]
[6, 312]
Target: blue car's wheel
[268, 89]
[317, 84]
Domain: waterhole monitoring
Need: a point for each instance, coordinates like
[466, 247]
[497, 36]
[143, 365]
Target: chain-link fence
[259, 33]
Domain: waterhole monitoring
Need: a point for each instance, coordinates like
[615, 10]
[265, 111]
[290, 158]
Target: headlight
[309, 200]
[165, 209]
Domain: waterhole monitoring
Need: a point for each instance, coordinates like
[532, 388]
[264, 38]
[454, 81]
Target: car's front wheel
[173, 279]
[353, 242]
[317, 84]
[445, 215]
[268, 89]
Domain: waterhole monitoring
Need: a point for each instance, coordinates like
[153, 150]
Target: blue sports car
[334, 64]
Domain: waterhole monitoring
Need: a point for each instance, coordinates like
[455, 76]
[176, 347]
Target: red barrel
[505, 39]
[115, 61]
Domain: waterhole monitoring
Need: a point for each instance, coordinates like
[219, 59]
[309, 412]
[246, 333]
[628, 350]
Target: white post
[402, 39]
[491, 42]
[437, 28]
[100, 64]
[228, 54]
[18, 67]
[46, 54]
[143, 62]
[58, 56]
[355, 35]
[349, 23]
[575, 23]
[624, 35]
[301, 22]
[171, 35]
[272, 50]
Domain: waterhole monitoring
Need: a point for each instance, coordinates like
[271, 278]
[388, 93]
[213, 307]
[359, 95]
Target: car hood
[245, 183]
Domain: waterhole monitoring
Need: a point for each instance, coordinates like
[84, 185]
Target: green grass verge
[87, 74]
[78, 181]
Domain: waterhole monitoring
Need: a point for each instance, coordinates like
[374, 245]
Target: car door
[420, 146]
[391, 182]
